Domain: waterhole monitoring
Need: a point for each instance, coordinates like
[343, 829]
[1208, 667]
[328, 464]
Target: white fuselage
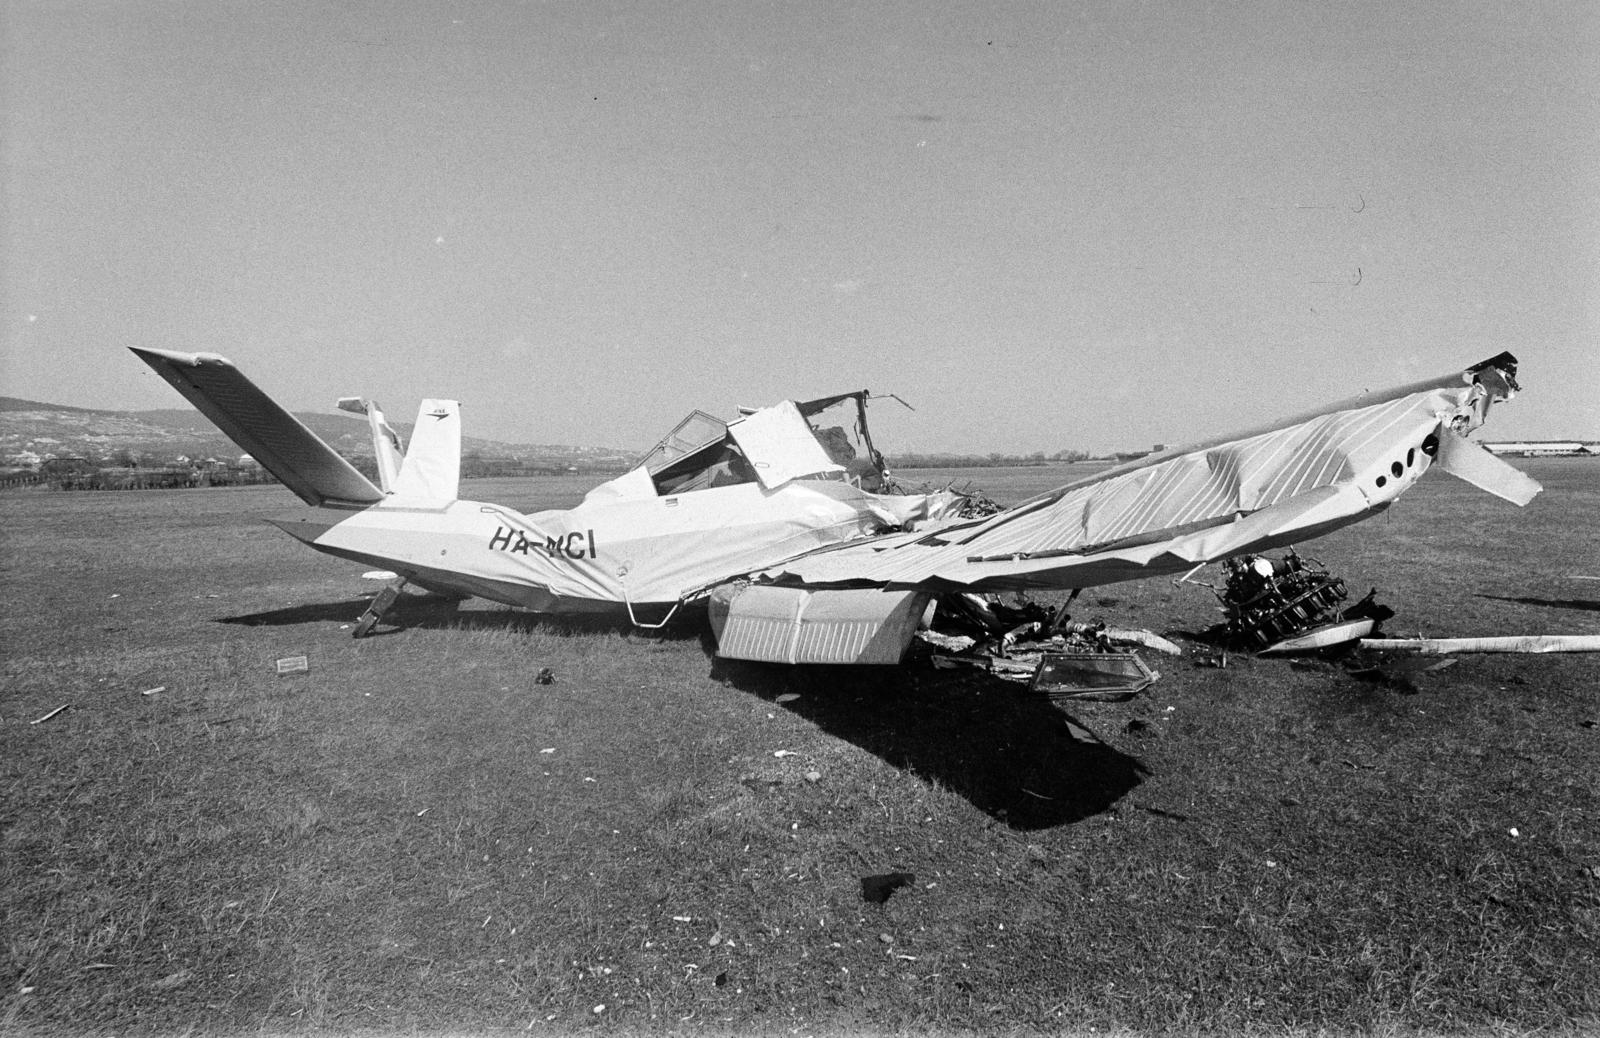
[606, 553]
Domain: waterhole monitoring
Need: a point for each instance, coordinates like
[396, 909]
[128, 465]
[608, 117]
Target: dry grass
[414, 837]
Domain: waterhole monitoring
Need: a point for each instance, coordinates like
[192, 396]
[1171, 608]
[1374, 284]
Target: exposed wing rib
[268, 433]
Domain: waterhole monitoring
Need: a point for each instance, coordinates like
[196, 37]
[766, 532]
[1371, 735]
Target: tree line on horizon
[994, 459]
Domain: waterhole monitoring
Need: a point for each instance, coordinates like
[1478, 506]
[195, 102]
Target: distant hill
[57, 430]
[11, 403]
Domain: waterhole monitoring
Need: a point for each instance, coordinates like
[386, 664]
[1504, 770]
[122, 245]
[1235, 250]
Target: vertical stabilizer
[431, 471]
[386, 449]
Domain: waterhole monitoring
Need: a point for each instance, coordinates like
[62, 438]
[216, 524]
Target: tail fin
[431, 470]
[386, 449]
[271, 435]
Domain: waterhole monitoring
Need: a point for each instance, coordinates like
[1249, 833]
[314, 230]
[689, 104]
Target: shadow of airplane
[1549, 603]
[437, 612]
[1013, 755]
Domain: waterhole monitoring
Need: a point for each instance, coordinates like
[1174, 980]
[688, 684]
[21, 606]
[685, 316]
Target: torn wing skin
[1261, 489]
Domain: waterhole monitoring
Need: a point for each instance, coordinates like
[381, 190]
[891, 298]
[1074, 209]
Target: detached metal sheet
[793, 625]
[779, 444]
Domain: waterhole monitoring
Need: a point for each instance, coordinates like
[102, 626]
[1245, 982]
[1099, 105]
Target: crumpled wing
[1167, 513]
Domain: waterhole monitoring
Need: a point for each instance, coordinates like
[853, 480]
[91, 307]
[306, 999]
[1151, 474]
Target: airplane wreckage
[785, 524]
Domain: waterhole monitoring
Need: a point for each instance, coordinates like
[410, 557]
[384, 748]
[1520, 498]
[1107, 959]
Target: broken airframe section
[1168, 513]
[781, 515]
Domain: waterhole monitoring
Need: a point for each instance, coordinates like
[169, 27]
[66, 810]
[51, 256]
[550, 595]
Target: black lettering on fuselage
[576, 545]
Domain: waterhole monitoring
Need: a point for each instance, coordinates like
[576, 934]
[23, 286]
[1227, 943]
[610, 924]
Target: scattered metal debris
[1289, 605]
[1041, 647]
[153, 691]
[1126, 636]
[1106, 676]
[293, 664]
[1530, 643]
[46, 717]
[1325, 637]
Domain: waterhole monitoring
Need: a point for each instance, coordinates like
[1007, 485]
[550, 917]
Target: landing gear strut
[380, 605]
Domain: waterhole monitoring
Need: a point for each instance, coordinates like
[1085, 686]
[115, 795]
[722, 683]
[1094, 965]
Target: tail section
[431, 471]
[386, 449]
[271, 435]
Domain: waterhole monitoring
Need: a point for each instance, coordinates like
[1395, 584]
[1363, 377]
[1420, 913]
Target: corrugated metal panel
[794, 625]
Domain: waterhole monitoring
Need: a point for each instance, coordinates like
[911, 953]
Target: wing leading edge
[1167, 513]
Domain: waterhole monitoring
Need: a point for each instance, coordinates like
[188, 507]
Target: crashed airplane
[781, 520]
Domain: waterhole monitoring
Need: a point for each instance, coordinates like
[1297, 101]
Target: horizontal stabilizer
[1473, 463]
[264, 430]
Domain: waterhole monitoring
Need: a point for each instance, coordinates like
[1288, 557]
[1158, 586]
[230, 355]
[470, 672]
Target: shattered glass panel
[840, 425]
[1091, 675]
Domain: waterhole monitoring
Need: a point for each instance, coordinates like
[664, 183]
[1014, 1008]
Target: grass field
[413, 836]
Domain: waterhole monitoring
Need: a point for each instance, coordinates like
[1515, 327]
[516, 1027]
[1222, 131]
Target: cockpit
[814, 439]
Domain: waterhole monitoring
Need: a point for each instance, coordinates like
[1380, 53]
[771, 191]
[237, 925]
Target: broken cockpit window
[697, 431]
[820, 439]
[696, 455]
[840, 425]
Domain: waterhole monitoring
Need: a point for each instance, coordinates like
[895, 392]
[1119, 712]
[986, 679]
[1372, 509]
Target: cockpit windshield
[701, 453]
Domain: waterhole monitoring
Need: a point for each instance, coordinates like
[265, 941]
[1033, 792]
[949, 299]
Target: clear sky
[1046, 225]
